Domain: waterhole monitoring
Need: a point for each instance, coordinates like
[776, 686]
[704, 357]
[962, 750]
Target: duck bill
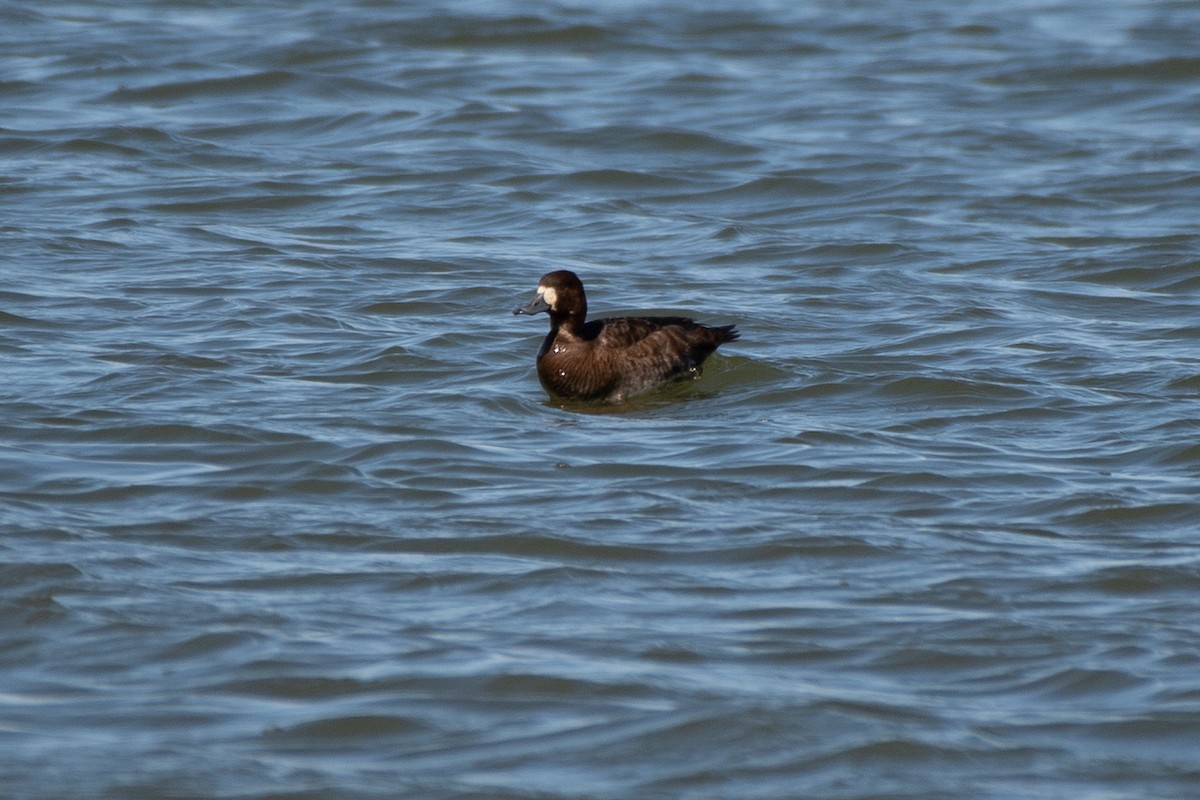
[535, 306]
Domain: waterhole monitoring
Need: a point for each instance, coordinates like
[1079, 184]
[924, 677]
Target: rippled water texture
[284, 512]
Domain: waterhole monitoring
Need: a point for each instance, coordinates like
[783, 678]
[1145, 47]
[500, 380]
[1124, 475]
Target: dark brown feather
[615, 358]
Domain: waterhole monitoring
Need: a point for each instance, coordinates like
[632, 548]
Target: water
[285, 513]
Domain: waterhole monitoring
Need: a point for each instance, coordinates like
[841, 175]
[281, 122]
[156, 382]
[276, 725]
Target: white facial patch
[548, 294]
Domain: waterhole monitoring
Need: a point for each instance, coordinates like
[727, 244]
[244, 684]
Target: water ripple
[286, 512]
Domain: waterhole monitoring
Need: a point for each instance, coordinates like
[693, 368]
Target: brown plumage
[613, 359]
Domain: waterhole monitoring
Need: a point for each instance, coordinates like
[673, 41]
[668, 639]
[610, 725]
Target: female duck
[615, 358]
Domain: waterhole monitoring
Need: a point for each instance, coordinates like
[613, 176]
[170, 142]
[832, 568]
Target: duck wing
[622, 332]
[649, 350]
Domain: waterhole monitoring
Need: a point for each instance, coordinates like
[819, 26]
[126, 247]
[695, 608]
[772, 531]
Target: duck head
[560, 294]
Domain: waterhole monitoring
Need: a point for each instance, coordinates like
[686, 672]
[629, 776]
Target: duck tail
[725, 333]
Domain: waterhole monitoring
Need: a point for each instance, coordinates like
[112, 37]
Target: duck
[615, 358]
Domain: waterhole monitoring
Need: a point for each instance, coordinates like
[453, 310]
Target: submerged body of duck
[613, 359]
